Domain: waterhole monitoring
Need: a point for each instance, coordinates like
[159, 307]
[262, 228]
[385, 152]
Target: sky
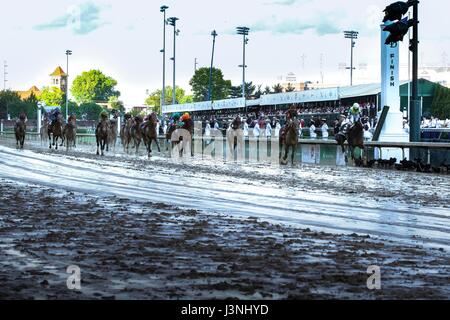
[124, 38]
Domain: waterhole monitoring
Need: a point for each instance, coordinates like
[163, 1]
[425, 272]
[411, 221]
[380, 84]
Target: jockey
[354, 113]
[342, 125]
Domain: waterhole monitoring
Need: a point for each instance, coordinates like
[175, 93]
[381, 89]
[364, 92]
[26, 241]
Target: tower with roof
[59, 79]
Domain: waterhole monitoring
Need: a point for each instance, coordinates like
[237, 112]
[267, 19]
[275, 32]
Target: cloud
[81, 19]
[293, 26]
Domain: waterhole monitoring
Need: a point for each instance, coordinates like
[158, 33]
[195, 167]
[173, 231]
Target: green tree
[73, 109]
[116, 104]
[52, 96]
[440, 106]
[8, 99]
[278, 88]
[236, 92]
[290, 88]
[267, 90]
[89, 111]
[154, 99]
[93, 86]
[221, 88]
[258, 92]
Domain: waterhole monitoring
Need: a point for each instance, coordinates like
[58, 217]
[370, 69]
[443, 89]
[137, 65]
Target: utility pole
[195, 65]
[163, 51]
[214, 35]
[352, 35]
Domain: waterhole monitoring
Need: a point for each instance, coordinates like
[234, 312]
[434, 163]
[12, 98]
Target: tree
[73, 109]
[290, 88]
[440, 106]
[259, 92]
[7, 99]
[94, 86]
[278, 88]
[52, 96]
[267, 90]
[89, 111]
[116, 104]
[154, 99]
[221, 88]
[236, 92]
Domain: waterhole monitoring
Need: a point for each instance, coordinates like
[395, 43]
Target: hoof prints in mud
[129, 249]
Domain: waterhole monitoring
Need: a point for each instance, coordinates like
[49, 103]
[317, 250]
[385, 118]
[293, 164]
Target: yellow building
[26, 94]
[58, 79]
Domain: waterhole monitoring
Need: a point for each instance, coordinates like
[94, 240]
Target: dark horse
[136, 133]
[56, 130]
[70, 133]
[101, 134]
[354, 134]
[113, 133]
[150, 133]
[20, 131]
[289, 140]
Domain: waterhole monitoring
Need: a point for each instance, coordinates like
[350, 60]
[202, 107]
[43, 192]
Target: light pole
[244, 32]
[68, 53]
[163, 93]
[214, 34]
[352, 35]
[173, 22]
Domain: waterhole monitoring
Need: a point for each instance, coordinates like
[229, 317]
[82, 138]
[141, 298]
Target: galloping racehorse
[125, 132]
[233, 137]
[70, 133]
[55, 129]
[150, 133]
[354, 134]
[101, 134]
[20, 131]
[289, 140]
[136, 132]
[113, 133]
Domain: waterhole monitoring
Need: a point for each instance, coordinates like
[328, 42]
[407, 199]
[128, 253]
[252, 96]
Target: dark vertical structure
[352, 35]
[415, 115]
[214, 35]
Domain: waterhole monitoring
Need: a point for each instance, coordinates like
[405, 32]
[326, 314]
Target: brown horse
[125, 133]
[20, 130]
[289, 140]
[136, 133]
[101, 134]
[113, 132]
[354, 134]
[189, 127]
[55, 130]
[150, 133]
[70, 133]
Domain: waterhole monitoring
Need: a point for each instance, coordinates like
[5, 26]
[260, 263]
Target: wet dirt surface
[140, 250]
[158, 229]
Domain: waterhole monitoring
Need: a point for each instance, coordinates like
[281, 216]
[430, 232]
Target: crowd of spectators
[434, 123]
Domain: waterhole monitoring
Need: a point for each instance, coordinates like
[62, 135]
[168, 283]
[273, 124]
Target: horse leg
[157, 144]
[293, 154]
[50, 141]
